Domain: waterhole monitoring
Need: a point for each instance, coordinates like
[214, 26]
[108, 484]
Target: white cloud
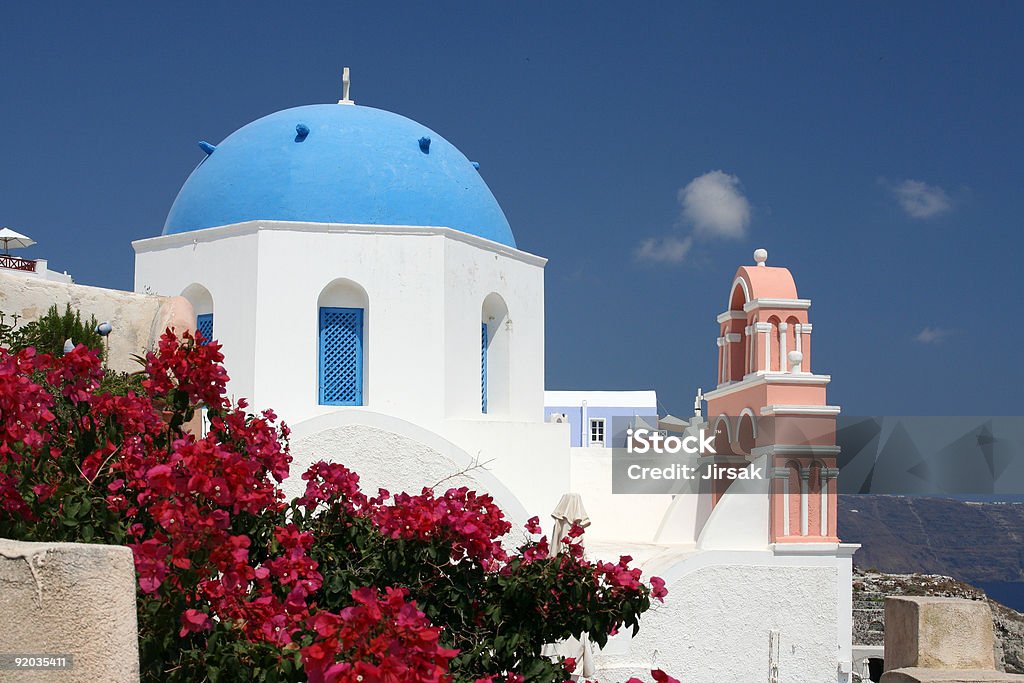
[921, 200]
[715, 206]
[663, 250]
[932, 335]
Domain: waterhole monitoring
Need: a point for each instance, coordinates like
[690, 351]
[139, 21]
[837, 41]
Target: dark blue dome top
[338, 163]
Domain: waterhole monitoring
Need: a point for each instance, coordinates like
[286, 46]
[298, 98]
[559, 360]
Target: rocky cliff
[870, 589]
[973, 542]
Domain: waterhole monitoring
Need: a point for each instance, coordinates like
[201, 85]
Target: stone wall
[68, 600]
[138, 319]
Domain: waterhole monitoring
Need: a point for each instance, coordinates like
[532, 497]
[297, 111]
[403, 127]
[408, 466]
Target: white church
[365, 284]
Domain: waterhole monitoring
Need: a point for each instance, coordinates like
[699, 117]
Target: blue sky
[873, 148]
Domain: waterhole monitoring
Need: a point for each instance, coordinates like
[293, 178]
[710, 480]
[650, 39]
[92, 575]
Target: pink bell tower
[769, 403]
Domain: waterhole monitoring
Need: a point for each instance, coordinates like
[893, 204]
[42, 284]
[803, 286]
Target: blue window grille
[341, 356]
[204, 326]
[483, 367]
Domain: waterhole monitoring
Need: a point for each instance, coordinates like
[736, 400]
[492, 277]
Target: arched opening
[773, 359]
[495, 329]
[746, 437]
[736, 352]
[791, 332]
[342, 346]
[739, 295]
[723, 435]
[202, 306]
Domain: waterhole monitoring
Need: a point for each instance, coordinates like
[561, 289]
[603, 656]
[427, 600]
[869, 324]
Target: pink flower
[194, 621]
[658, 589]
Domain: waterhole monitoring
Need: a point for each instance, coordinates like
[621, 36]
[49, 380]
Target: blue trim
[483, 368]
[204, 325]
[340, 352]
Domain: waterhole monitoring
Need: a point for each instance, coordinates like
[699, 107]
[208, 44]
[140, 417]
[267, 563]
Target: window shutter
[204, 326]
[341, 356]
[483, 367]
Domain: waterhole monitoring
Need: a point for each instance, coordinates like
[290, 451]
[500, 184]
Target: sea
[1010, 593]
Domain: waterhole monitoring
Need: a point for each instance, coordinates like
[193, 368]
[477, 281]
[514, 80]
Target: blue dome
[335, 163]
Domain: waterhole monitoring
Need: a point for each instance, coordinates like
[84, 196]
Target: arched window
[723, 435]
[773, 359]
[342, 320]
[746, 439]
[736, 353]
[495, 329]
[791, 327]
[202, 305]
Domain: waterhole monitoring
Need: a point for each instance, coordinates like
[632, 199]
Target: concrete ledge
[919, 675]
[69, 599]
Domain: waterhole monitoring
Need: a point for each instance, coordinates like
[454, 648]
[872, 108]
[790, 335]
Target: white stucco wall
[531, 458]
[472, 271]
[635, 517]
[714, 626]
[425, 288]
[226, 267]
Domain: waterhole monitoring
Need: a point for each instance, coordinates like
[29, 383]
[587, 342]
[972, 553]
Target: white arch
[345, 293]
[753, 418]
[200, 298]
[365, 440]
[494, 314]
[746, 292]
[728, 430]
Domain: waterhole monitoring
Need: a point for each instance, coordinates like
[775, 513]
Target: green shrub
[48, 333]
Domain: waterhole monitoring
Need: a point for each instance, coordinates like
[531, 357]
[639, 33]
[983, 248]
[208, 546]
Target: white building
[366, 285]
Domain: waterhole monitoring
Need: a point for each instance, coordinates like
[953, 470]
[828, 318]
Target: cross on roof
[346, 83]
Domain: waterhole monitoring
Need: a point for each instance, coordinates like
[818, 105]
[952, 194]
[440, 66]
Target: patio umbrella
[671, 423]
[570, 511]
[14, 240]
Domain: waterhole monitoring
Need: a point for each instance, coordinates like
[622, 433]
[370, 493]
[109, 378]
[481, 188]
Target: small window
[204, 326]
[483, 368]
[597, 431]
[341, 356]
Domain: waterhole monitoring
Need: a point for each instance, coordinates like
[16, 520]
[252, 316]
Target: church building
[366, 285]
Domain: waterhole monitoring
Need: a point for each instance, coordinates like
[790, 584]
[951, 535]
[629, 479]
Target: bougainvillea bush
[237, 584]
